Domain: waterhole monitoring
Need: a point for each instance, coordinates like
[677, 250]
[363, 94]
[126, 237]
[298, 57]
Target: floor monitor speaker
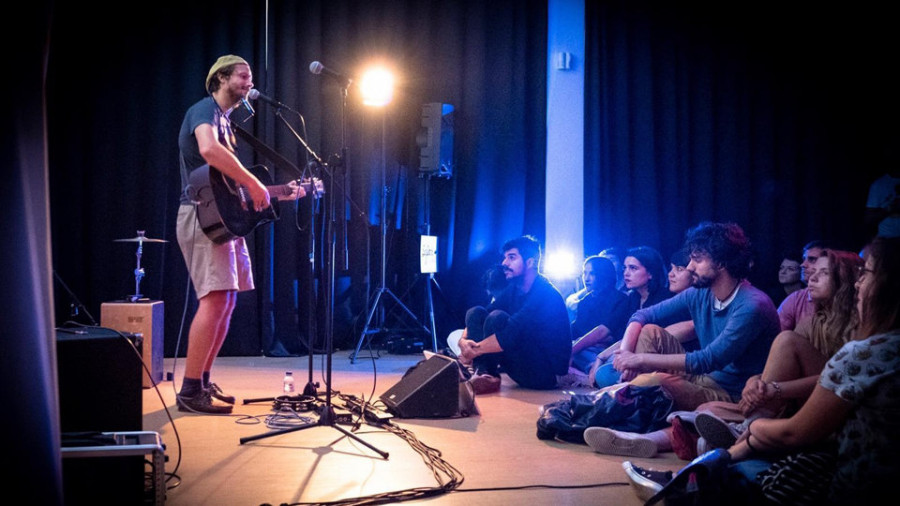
[430, 389]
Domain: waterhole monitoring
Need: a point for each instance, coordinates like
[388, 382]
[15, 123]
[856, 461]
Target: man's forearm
[471, 349]
[597, 335]
[630, 338]
[488, 345]
[658, 362]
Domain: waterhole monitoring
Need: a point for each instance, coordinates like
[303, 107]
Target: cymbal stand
[138, 271]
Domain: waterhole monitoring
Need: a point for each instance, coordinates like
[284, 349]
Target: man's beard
[512, 276]
[702, 282]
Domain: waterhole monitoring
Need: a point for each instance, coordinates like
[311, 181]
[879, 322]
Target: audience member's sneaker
[216, 391]
[702, 447]
[684, 439]
[201, 403]
[646, 482]
[717, 432]
[484, 383]
[613, 442]
[686, 416]
[453, 341]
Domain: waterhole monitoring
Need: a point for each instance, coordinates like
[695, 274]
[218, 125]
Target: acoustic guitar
[224, 208]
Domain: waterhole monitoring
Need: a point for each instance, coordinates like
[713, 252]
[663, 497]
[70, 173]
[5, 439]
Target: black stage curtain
[117, 92]
[775, 116]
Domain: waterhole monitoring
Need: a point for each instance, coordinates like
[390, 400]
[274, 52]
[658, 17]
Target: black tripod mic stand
[326, 412]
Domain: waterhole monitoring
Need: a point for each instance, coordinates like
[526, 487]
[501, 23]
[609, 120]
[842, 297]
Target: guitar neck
[284, 189]
[278, 189]
[311, 188]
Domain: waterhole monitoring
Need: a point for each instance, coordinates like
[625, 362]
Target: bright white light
[561, 265]
[377, 87]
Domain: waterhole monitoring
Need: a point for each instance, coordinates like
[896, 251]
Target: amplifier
[143, 317]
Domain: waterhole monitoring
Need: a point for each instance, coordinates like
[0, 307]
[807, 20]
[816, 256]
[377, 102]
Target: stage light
[377, 87]
[560, 265]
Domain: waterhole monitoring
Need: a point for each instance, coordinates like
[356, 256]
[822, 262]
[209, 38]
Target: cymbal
[140, 239]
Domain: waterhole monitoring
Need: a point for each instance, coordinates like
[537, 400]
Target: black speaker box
[100, 380]
[430, 389]
[100, 390]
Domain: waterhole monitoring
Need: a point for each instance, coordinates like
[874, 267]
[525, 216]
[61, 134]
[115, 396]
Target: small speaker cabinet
[99, 375]
[141, 317]
[430, 389]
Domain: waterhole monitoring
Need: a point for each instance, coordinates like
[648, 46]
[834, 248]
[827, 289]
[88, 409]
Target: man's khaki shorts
[212, 266]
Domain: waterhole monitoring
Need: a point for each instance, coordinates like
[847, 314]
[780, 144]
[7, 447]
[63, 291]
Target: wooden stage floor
[497, 453]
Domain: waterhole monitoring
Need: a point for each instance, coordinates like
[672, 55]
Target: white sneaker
[453, 341]
[613, 442]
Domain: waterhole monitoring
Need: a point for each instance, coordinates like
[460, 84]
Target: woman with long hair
[795, 361]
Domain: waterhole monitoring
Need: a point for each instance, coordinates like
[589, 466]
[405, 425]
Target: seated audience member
[587, 280]
[525, 331]
[796, 307]
[645, 277]
[601, 314]
[735, 324]
[679, 277]
[616, 256]
[882, 216]
[792, 367]
[832, 289]
[846, 429]
[788, 278]
[493, 281]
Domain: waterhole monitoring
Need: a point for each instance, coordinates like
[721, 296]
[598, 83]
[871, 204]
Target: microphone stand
[326, 412]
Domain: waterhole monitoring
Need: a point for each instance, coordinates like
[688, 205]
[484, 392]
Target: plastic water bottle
[288, 383]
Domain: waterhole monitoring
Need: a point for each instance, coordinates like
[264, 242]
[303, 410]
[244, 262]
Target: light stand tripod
[383, 290]
[429, 301]
[326, 412]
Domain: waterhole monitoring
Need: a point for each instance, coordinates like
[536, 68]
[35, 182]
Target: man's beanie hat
[221, 63]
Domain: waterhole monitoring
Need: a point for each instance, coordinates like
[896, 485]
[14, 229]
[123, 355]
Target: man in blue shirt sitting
[735, 324]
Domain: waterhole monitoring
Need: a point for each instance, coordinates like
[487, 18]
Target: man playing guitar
[218, 271]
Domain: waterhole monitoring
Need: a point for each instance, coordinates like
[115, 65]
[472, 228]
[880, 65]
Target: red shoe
[485, 384]
[684, 440]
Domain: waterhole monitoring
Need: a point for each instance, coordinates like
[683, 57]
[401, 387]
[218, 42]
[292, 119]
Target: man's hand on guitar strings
[296, 192]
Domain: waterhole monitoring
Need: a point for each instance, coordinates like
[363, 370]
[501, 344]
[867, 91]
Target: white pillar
[565, 130]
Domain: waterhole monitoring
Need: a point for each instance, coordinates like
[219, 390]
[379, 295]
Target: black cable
[447, 476]
[527, 487]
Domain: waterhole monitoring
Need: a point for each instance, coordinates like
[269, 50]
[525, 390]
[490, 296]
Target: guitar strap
[266, 151]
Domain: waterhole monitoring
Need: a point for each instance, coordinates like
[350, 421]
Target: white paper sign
[428, 254]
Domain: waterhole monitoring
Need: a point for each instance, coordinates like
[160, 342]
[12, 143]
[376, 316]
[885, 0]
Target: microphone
[317, 68]
[254, 94]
